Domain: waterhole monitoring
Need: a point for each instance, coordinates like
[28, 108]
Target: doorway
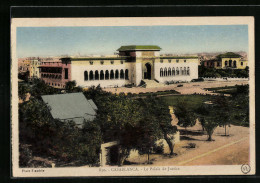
[148, 72]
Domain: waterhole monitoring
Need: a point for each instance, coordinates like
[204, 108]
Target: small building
[227, 60]
[29, 65]
[71, 107]
[55, 73]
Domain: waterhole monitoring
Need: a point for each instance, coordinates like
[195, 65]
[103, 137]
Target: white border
[147, 21]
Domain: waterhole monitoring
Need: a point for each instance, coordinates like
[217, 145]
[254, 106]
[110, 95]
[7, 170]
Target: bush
[191, 145]
[25, 155]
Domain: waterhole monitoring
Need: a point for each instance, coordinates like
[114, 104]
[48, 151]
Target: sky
[57, 41]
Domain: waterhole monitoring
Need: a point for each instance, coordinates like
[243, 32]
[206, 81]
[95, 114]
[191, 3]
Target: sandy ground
[224, 150]
[188, 88]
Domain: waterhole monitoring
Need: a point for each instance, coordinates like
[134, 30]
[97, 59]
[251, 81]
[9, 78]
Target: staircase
[152, 83]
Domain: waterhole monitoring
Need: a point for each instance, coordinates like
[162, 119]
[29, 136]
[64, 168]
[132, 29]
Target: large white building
[133, 64]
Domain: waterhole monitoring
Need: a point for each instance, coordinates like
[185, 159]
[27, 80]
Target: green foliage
[212, 72]
[64, 141]
[70, 87]
[207, 118]
[184, 114]
[39, 88]
[23, 89]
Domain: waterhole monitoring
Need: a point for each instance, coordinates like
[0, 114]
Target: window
[241, 63]
[112, 74]
[165, 72]
[96, 75]
[91, 75]
[161, 60]
[188, 71]
[117, 74]
[126, 74]
[112, 61]
[91, 62]
[86, 75]
[102, 62]
[230, 63]
[173, 71]
[106, 75]
[177, 61]
[177, 71]
[184, 61]
[235, 64]
[161, 72]
[122, 75]
[122, 62]
[101, 75]
[169, 60]
[66, 73]
[169, 71]
[226, 62]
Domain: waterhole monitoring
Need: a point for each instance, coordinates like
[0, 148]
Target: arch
[91, 75]
[184, 71]
[226, 63]
[86, 75]
[165, 72]
[169, 71]
[148, 73]
[230, 63]
[161, 72]
[173, 71]
[96, 75]
[122, 74]
[107, 75]
[235, 64]
[177, 71]
[101, 75]
[188, 71]
[126, 74]
[181, 71]
[116, 74]
[112, 75]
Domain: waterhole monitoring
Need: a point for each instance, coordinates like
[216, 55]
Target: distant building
[228, 60]
[55, 73]
[133, 64]
[30, 66]
[71, 107]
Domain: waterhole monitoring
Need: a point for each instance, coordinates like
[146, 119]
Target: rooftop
[229, 55]
[138, 47]
[71, 106]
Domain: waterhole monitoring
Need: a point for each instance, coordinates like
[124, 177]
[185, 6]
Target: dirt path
[224, 150]
[188, 88]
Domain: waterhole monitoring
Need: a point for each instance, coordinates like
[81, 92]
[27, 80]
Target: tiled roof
[139, 47]
[71, 106]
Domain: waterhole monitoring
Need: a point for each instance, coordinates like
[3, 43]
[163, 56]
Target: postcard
[144, 96]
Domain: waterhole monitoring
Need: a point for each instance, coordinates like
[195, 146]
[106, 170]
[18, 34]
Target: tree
[39, 88]
[222, 111]
[23, 89]
[159, 111]
[184, 114]
[209, 122]
[70, 85]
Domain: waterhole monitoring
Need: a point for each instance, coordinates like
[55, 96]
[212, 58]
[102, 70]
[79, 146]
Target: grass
[193, 100]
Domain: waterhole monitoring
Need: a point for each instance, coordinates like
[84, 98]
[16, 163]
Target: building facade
[55, 73]
[132, 65]
[29, 66]
[228, 60]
